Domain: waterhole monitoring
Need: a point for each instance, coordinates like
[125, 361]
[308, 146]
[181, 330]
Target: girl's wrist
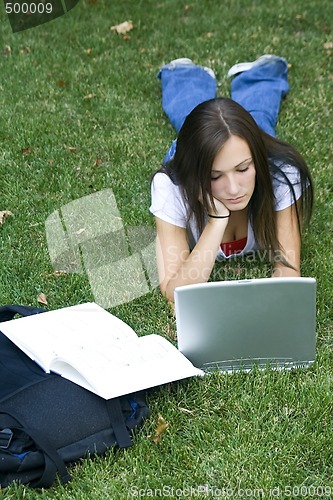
[218, 221]
[218, 216]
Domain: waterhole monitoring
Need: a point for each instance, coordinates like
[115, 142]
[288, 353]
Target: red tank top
[233, 247]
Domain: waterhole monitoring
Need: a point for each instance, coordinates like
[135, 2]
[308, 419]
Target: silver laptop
[234, 325]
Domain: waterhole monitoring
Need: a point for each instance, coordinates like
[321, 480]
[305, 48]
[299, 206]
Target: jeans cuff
[181, 63]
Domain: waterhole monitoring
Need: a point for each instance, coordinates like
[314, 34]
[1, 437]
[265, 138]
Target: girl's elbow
[167, 292]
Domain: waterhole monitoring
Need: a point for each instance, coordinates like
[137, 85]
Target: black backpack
[47, 421]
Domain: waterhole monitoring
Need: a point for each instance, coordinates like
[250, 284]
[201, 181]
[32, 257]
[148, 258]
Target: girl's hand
[218, 209]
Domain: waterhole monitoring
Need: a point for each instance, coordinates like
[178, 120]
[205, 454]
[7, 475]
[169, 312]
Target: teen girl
[227, 186]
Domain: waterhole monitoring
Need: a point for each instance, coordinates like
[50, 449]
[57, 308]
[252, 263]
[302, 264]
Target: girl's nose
[232, 186]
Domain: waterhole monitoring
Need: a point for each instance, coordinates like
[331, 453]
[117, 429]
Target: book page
[118, 368]
[97, 350]
[63, 332]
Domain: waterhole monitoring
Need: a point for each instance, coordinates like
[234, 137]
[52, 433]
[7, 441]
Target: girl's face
[233, 174]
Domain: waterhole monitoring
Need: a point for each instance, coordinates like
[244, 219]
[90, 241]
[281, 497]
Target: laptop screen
[232, 325]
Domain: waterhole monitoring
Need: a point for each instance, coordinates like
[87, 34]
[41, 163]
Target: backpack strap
[53, 462]
[8, 312]
[118, 424]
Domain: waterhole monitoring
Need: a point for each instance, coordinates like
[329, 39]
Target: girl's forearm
[197, 267]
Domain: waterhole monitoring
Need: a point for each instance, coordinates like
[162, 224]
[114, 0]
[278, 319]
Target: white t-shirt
[167, 204]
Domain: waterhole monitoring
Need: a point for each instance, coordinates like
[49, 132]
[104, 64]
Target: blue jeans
[259, 90]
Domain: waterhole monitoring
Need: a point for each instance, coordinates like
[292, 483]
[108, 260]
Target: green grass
[242, 432]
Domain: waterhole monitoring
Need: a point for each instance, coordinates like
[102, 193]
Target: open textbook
[98, 351]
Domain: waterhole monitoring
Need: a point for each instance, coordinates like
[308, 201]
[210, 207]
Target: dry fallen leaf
[70, 148]
[185, 410]
[161, 426]
[98, 161]
[7, 50]
[42, 299]
[61, 83]
[328, 45]
[4, 214]
[88, 51]
[122, 28]
[27, 150]
[89, 96]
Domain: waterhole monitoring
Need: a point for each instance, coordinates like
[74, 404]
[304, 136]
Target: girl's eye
[246, 167]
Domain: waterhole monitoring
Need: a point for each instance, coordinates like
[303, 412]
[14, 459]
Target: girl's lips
[236, 200]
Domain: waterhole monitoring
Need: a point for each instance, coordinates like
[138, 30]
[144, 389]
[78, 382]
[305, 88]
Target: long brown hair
[204, 132]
